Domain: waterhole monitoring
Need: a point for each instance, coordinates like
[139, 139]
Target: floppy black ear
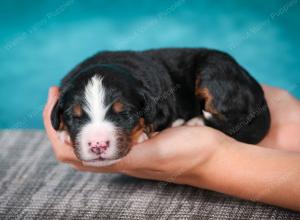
[56, 116]
[157, 113]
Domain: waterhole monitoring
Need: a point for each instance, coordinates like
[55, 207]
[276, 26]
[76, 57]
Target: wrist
[219, 155]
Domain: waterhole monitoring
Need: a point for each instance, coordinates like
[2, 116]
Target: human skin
[206, 158]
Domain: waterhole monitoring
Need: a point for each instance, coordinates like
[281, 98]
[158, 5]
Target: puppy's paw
[177, 123]
[197, 121]
[207, 115]
[143, 137]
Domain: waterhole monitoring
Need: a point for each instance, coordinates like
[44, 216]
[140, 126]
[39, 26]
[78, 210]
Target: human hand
[172, 155]
[285, 120]
[160, 157]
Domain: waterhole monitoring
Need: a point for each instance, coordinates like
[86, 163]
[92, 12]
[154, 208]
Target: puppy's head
[101, 109]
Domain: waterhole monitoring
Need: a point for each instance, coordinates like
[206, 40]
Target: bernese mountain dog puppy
[114, 100]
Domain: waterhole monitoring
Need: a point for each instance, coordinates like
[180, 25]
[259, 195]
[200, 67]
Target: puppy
[114, 100]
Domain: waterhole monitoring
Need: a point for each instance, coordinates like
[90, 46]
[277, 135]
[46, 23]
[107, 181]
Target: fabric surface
[33, 185]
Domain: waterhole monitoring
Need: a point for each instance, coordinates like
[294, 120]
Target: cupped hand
[171, 155]
[174, 153]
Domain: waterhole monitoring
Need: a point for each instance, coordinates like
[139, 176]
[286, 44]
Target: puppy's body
[158, 87]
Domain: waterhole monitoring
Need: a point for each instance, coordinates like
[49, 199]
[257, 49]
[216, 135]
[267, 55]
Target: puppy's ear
[56, 116]
[142, 97]
[148, 111]
[156, 111]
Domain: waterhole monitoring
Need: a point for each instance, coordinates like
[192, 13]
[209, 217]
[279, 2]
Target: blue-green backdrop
[40, 41]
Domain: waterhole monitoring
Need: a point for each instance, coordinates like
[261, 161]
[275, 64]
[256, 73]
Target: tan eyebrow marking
[118, 107]
[77, 110]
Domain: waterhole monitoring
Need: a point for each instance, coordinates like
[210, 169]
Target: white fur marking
[100, 163]
[197, 121]
[143, 137]
[94, 99]
[177, 123]
[207, 115]
[98, 128]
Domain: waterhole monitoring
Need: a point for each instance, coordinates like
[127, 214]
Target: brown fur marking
[204, 93]
[77, 110]
[118, 107]
[137, 131]
[61, 124]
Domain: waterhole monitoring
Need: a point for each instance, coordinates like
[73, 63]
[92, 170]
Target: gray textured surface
[34, 186]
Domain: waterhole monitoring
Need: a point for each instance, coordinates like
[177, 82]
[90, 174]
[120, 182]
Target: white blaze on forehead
[94, 95]
[98, 128]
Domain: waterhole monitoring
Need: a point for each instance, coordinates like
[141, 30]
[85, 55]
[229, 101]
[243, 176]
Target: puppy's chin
[100, 163]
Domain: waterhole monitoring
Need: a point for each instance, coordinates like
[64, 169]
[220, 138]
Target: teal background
[40, 41]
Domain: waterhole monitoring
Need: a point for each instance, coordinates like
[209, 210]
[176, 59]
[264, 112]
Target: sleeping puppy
[114, 100]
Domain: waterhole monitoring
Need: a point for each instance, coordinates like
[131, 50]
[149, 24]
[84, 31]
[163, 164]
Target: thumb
[52, 99]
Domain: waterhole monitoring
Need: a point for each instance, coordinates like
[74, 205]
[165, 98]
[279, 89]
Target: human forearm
[253, 173]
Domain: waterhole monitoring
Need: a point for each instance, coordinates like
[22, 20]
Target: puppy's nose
[98, 147]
